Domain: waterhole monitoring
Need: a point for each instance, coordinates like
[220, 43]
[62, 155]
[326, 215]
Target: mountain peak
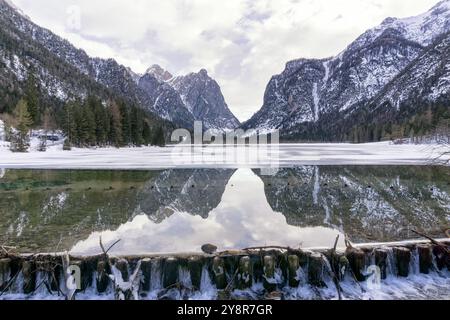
[203, 72]
[159, 73]
[204, 99]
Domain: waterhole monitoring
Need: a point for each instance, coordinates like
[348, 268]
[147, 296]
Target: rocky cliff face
[309, 90]
[203, 98]
[165, 101]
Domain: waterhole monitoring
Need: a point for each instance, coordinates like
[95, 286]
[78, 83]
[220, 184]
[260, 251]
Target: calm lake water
[180, 210]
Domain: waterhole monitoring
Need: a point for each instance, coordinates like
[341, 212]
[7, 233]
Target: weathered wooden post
[170, 272]
[195, 267]
[122, 266]
[218, 271]
[403, 259]
[5, 272]
[293, 268]
[381, 258]
[425, 258]
[269, 273]
[245, 276]
[146, 268]
[29, 277]
[87, 268]
[316, 269]
[442, 257]
[357, 259]
[102, 280]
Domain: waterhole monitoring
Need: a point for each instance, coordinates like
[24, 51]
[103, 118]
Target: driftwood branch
[123, 289]
[347, 242]
[333, 268]
[268, 247]
[435, 242]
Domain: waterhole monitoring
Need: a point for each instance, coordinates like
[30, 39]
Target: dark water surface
[179, 210]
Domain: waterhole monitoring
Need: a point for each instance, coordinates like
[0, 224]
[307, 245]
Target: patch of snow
[316, 100]
[2, 131]
[316, 185]
[327, 72]
[286, 155]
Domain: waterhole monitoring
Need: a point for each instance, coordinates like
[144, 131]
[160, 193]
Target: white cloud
[242, 43]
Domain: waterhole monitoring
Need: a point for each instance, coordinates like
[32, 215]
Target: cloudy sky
[241, 43]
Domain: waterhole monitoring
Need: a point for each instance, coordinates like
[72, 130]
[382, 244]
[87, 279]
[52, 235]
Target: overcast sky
[241, 43]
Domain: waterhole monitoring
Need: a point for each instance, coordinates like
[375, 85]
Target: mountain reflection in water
[243, 219]
[179, 210]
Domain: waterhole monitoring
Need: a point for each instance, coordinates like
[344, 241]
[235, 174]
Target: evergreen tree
[125, 124]
[68, 123]
[88, 128]
[137, 126]
[32, 98]
[21, 139]
[115, 131]
[146, 134]
[102, 123]
[158, 138]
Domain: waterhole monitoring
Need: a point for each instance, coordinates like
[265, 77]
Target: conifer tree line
[96, 123]
[89, 123]
[417, 122]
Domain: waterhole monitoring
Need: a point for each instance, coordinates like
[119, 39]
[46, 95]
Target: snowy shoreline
[281, 156]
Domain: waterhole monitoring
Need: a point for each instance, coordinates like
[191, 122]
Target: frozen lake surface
[284, 155]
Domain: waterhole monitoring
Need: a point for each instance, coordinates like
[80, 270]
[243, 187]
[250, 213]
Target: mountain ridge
[309, 90]
[106, 72]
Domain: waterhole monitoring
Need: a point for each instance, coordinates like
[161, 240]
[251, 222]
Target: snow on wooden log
[274, 269]
[316, 268]
[294, 270]
[269, 273]
[245, 273]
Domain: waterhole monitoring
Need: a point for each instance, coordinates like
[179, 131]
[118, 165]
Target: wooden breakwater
[132, 277]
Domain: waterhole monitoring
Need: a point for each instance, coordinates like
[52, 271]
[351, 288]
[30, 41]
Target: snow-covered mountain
[65, 71]
[203, 98]
[165, 100]
[159, 73]
[310, 91]
[194, 97]
[428, 77]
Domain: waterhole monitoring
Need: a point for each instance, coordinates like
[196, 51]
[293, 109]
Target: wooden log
[29, 276]
[146, 268]
[102, 280]
[269, 281]
[122, 266]
[357, 260]
[442, 257]
[316, 267]
[293, 268]
[245, 275]
[403, 259]
[425, 258]
[381, 261]
[195, 267]
[5, 272]
[170, 272]
[218, 271]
